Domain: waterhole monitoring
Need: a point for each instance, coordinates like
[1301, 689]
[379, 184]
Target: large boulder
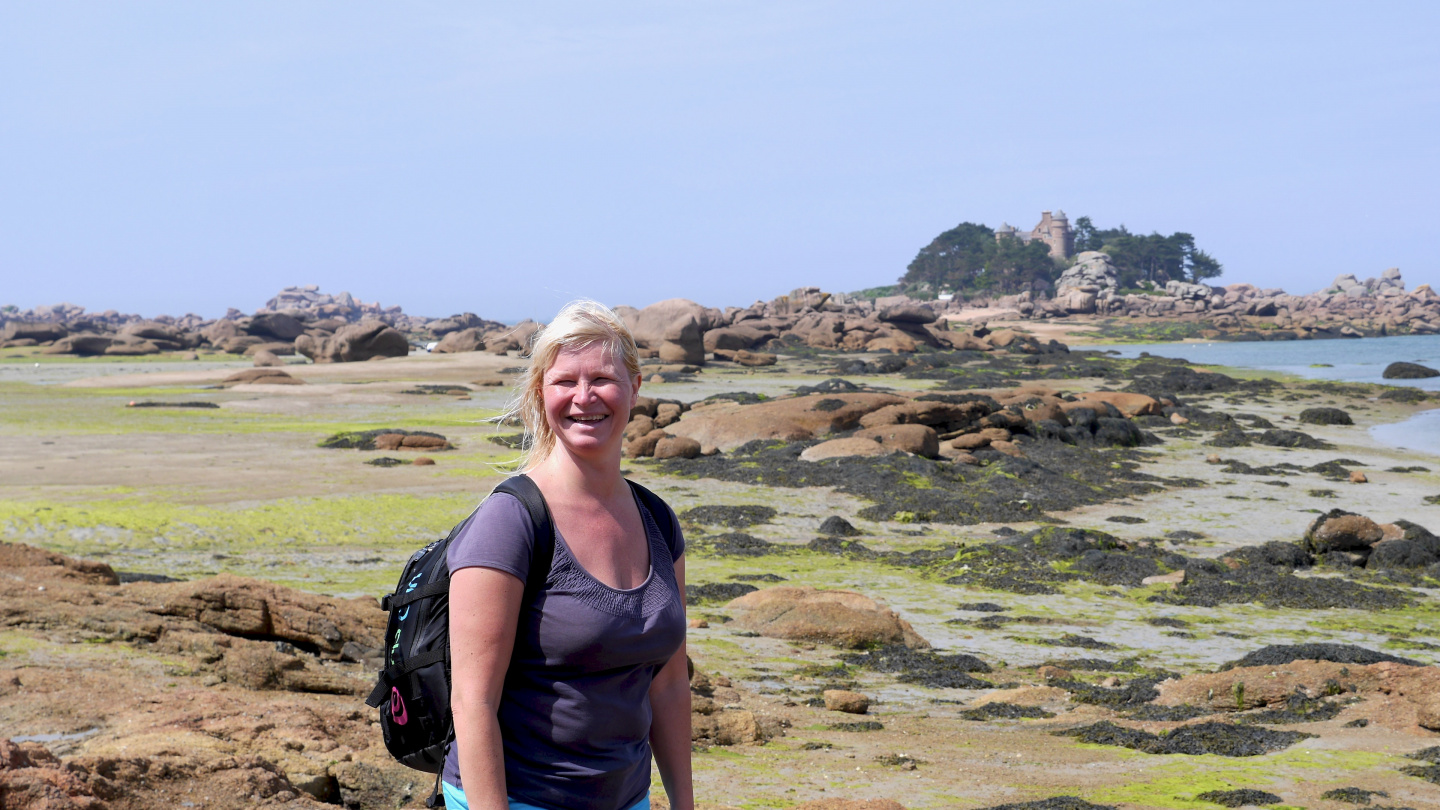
[1092, 272]
[85, 345]
[845, 448]
[920, 440]
[361, 341]
[455, 323]
[745, 335]
[1338, 530]
[260, 376]
[909, 312]
[38, 332]
[276, 325]
[132, 346]
[1129, 405]
[673, 327]
[464, 340]
[159, 333]
[1186, 291]
[730, 425]
[842, 618]
[1076, 302]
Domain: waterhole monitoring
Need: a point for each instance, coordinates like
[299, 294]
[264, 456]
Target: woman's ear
[635, 392]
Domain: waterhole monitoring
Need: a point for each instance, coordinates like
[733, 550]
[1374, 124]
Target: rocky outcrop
[1090, 279]
[462, 340]
[1348, 307]
[362, 341]
[1344, 538]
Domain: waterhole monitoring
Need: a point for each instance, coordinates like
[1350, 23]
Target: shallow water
[1356, 360]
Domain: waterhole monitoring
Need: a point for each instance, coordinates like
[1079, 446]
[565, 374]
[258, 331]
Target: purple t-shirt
[575, 711]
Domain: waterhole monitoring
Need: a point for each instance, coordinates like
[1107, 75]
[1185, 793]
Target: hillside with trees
[968, 260]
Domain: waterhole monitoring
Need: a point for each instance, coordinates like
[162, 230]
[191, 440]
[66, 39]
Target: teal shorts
[455, 800]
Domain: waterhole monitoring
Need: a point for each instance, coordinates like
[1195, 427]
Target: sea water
[1340, 360]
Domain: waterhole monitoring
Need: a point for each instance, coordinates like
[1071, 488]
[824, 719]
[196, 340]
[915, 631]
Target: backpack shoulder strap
[660, 511]
[543, 553]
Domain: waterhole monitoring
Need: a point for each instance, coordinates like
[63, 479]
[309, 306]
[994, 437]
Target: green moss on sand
[1177, 782]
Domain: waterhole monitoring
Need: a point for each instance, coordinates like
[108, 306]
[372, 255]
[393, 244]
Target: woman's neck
[598, 478]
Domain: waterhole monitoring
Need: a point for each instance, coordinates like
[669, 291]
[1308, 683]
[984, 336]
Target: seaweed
[365, 439]
[1239, 798]
[1072, 640]
[1004, 711]
[1353, 795]
[863, 725]
[737, 544]
[1134, 693]
[923, 667]
[187, 404]
[836, 526]
[716, 592]
[1151, 713]
[1274, 655]
[1053, 475]
[1222, 739]
[736, 517]
[1214, 585]
[982, 607]
[1053, 803]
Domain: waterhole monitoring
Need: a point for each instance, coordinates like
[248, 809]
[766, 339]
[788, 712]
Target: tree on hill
[968, 258]
[1155, 259]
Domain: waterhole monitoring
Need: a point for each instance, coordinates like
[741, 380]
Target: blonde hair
[578, 324]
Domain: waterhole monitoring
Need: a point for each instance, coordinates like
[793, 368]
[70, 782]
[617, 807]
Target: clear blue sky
[165, 157]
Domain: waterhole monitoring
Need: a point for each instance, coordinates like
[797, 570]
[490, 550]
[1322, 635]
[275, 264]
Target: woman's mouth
[589, 417]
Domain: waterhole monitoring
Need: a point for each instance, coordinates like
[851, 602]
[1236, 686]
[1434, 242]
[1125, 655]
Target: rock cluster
[933, 425]
[1348, 307]
[258, 704]
[1345, 539]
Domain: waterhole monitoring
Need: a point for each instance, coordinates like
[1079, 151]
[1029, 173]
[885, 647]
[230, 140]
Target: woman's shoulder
[664, 518]
[498, 535]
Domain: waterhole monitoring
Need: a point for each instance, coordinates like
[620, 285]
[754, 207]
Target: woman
[566, 714]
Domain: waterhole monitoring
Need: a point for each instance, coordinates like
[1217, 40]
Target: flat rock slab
[842, 618]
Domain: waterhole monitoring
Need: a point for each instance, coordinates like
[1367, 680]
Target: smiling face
[588, 396]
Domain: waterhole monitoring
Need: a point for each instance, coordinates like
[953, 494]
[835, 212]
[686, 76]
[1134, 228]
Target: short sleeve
[499, 536]
[677, 542]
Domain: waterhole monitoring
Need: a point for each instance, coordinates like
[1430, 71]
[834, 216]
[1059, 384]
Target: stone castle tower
[1054, 231]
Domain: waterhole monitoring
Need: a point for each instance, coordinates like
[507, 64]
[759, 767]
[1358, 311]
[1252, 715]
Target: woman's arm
[484, 610]
[670, 719]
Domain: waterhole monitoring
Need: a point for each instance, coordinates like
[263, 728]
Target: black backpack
[417, 724]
